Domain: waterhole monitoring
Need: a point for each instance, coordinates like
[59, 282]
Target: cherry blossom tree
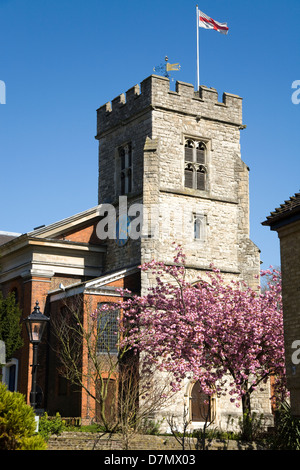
[224, 334]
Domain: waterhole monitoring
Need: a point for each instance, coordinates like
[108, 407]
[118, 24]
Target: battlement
[154, 93]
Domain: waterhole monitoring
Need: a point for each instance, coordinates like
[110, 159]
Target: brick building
[170, 160]
[285, 220]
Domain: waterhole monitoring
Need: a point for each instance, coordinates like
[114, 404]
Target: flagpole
[198, 69]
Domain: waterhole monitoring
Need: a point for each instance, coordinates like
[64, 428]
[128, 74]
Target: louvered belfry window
[195, 160]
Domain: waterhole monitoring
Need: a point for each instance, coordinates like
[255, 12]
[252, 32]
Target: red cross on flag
[208, 23]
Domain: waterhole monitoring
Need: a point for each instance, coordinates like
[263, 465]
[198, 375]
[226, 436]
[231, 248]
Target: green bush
[151, 427]
[51, 425]
[287, 429]
[252, 426]
[92, 428]
[10, 326]
[17, 423]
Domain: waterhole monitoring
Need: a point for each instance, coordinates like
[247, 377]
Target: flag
[170, 67]
[208, 23]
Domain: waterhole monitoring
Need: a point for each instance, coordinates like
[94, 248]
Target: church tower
[176, 155]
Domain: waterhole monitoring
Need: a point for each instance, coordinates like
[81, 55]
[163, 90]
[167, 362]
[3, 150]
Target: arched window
[200, 405]
[189, 176]
[125, 164]
[200, 223]
[10, 374]
[189, 151]
[195, 169]
[107, 330]
[200, 152]
[200, 176]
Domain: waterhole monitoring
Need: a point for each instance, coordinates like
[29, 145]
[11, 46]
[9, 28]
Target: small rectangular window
[12, 378]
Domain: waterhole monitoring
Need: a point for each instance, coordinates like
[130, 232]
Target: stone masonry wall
[225, 201]
[290, 264]
[87, 441]
[123, 124]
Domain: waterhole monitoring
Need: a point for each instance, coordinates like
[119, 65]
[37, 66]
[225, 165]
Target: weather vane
[166, 68]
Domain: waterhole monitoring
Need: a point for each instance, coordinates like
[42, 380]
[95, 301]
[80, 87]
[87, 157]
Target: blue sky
[62, 59]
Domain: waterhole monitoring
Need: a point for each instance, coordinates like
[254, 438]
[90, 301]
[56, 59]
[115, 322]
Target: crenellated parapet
[154, 93]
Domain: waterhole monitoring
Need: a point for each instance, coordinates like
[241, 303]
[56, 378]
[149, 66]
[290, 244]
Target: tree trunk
[247, 422]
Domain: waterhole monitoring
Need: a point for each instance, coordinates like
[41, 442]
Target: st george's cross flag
[208, 23]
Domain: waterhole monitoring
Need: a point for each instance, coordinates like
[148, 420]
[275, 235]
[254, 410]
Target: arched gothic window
[200, 222]
[125, 162]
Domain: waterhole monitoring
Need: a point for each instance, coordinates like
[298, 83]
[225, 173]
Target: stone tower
[177, 153]
[175, 157]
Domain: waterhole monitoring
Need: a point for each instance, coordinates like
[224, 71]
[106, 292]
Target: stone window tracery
[195, 164]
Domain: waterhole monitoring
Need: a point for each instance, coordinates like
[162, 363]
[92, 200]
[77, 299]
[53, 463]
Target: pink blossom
[209, 330]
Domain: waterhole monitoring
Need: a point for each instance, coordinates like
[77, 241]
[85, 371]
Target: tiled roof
[288, 209]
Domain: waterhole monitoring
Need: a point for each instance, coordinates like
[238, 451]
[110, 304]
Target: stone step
[95, 441]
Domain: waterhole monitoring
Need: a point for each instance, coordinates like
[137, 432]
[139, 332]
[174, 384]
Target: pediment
[69, 227]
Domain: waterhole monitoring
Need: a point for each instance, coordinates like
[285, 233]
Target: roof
[57, 227]
[94, 286]
[51, 231]
[288, 212]
[7, 236]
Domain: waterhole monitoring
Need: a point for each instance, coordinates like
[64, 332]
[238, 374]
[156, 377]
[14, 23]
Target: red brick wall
[29, 291]
[85, 234]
